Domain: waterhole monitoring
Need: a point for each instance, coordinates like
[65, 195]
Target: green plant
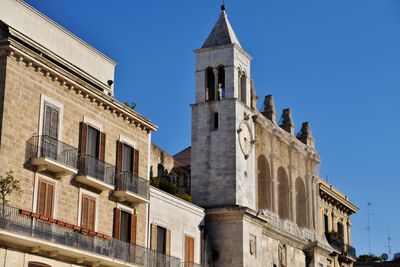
[185, 196]
[154, 181]
[8, 185]
[131, 105]
[167, 186]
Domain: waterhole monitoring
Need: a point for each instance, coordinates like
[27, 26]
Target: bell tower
[222, 126]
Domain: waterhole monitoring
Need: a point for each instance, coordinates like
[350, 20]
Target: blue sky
[335, 63]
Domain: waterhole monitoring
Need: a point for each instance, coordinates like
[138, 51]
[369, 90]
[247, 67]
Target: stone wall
[24, 87]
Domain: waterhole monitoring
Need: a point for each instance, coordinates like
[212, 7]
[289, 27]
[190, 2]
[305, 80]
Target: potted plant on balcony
[8, 185]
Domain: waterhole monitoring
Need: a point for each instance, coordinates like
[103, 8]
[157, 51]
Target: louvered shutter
[49, 200]
[153, 243]
[92, 214]
[133, 228]
[168, 242]
[83, 139]
[117, 217]
[102, 149]
[136, 163]
[41, 197]
[84, 212]
[191, 250]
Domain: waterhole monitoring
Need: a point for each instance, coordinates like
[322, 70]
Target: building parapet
[331, 194]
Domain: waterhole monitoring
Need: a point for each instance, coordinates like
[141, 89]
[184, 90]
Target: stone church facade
[257, 180]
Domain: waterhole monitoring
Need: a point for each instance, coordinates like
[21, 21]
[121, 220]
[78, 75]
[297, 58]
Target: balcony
[132, 189]
[37, 236]
[47, 153]
[335, 242]
[96, 173]
[346, 252]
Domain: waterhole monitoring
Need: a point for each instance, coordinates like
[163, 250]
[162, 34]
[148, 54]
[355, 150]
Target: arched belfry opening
[221, 82]
[264, 184]
[210, 84]
[283, 194]
[301, 205]
[243, 87]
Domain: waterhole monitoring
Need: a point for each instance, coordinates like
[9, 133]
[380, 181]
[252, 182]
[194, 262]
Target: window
[93, 142]
[127, 158]
[326, 223]
[50, 120]
[340, 231]
[125, 227]
[210, 84]
[215, 121]
[125, 223]
[160, 239]
[189, 249]
[243, 88]
[45, 202]
[88, 212]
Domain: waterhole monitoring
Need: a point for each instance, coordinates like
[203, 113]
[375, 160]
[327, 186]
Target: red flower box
[25, 212]
[35, 215]
[92, 233]
[100, 235]
[51, 220]
[44, 218]
[60, 223]
[76, 227]
[68, 225]
[84, 230]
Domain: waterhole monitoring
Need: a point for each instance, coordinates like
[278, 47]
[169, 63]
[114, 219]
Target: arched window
[210, 84]
[221, 82]
[283, 194]
[243, 87]
[264, 184]
[301, 205]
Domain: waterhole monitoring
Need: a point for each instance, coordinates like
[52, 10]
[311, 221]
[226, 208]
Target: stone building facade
[81, 157]
[335, 212]
[256, 178]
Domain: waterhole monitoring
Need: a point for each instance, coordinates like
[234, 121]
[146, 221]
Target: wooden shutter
[88, 212]
[49, 201]
[133, 228]
[102, 148]
[84, 212]
[136, 163]
[83, 139]
[92, 214]
[117, 222]
[153, 243]
[45, 198]
[168, 242]
[119, 157]
[189, 249]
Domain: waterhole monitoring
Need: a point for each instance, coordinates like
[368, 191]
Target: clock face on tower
[245, 138]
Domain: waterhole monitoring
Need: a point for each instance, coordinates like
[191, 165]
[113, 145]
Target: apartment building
[335, 212]
[80, 156]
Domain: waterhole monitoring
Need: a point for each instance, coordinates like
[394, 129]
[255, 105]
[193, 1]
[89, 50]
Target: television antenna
[369, 227]
[389, 245]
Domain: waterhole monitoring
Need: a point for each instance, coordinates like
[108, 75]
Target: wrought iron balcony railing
[335, 242]
[350, 252]
[44, 146]
[13, 222]
[97, 169]
[128, 182]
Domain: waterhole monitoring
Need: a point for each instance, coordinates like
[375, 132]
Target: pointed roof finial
[223, 8]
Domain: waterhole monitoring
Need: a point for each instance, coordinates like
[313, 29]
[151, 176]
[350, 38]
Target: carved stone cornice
[65, 79]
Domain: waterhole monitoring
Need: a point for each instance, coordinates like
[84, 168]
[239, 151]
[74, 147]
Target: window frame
[83, 192]
[60, 106]
[37, 178]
